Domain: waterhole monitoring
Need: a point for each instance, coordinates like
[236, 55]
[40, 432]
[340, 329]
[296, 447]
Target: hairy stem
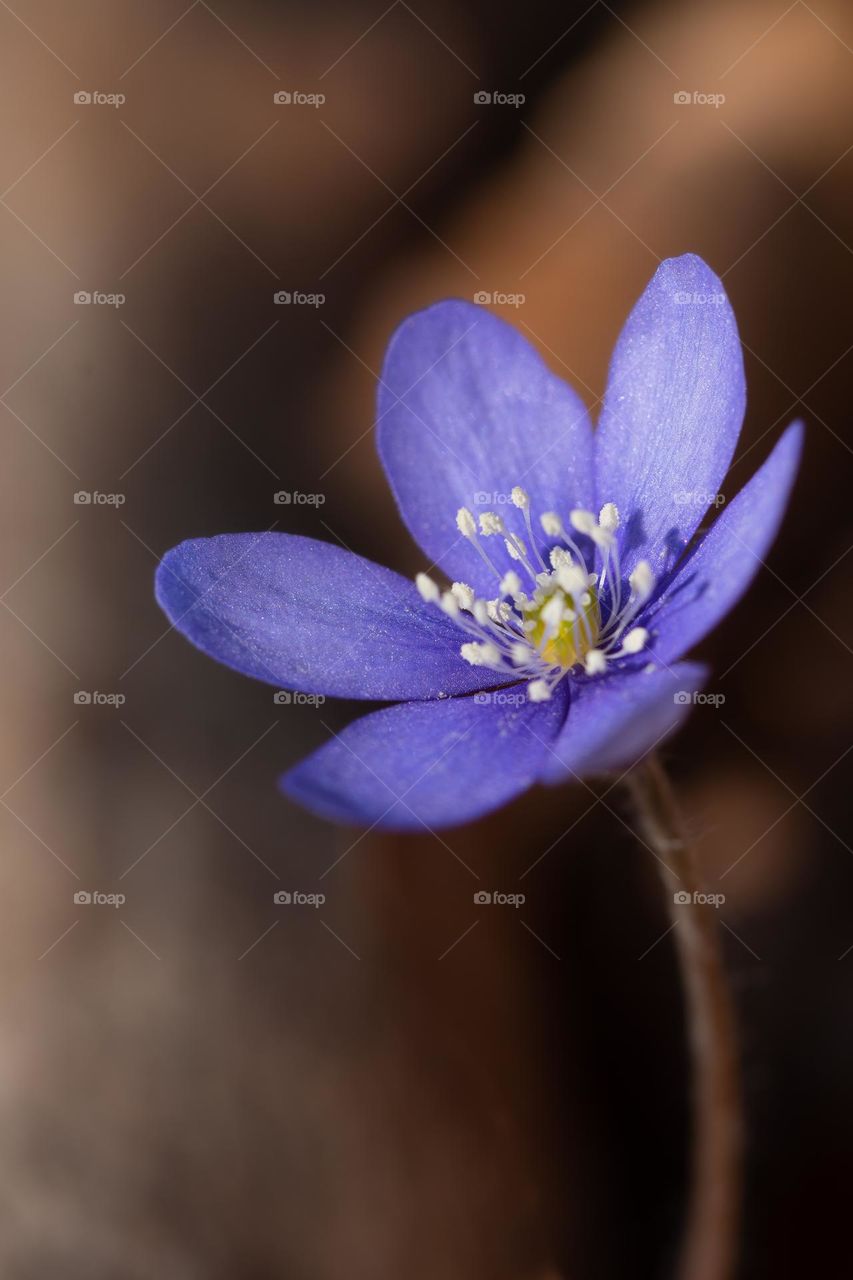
[713, 1215]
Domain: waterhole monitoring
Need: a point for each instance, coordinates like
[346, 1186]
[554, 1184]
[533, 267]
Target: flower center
[563, 635]
[563, 616]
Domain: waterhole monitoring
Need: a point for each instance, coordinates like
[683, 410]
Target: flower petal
[672, 411]
[715, 575]
[425, 765]
[616, 719]
[468, 410]
[310, 616]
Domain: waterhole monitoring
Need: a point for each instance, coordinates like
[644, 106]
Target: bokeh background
[200, 1083]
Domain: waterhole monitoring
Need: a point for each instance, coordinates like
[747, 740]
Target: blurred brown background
[200, 1083]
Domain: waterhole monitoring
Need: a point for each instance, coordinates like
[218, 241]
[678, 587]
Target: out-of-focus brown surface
[196, 1083]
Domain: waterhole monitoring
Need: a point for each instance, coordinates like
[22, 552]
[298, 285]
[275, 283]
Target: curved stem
[713, 1216]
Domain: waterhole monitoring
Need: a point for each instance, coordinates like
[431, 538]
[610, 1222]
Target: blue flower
[557, 651]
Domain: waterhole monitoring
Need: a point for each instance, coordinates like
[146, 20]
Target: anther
[428, 589]
[463, 595]
[608, 517]
[595, 662]
[642, 580]
[583, 521]
[635, 640]
[483, 654]
[490, 522]
[465, 523]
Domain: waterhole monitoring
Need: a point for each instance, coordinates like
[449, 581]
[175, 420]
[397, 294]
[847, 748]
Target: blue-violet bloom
[556, 652]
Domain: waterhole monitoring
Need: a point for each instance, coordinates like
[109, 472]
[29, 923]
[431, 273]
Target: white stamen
[603, 538]
[608, 517]
[521, 499]
[467, 526]
[595, 662]
[572, 579]
[490, 522]
[559, 556]
[552, 612]
[481, 655]
[449, 604]
[551, 524]
[635, 640]
[583, 521]
[465, 523]
[510, 584]
[518, 550]
[464, 595]
[428, 589]
[539, 691]
[642, 580]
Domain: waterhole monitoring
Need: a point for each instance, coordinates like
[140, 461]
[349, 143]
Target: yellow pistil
[569, 643]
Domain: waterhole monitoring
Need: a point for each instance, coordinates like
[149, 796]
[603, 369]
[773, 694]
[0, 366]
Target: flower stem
[711, 1231]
